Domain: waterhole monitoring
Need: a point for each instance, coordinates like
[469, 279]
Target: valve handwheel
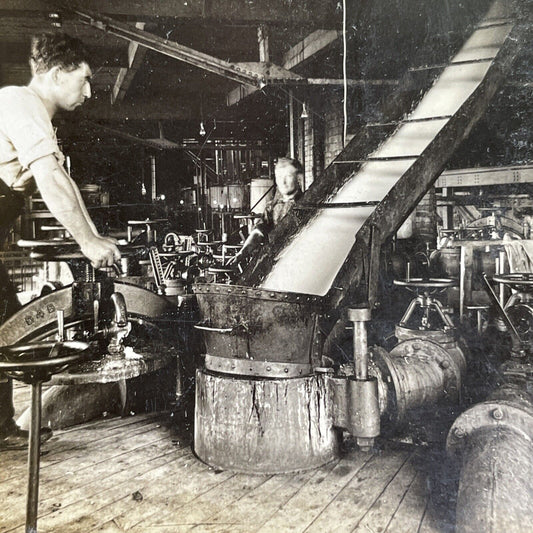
[521, 281]
[426, 301]
[34, 363]
[426, 283]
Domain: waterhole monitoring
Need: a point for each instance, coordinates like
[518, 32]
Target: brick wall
[334, 123]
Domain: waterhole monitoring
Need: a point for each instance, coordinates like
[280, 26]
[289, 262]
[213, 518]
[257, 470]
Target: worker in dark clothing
[288, 173]
[30, 157]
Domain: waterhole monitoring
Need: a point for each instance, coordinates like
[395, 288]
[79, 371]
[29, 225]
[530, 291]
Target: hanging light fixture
[304, 111]
[202, 127]
[55, 20]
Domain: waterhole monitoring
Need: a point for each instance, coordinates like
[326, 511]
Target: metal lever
[96, 314]
[60, 325]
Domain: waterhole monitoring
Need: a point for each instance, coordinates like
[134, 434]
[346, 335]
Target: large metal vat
[254, 332]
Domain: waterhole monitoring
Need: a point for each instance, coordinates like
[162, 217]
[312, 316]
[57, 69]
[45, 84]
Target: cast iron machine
[123, 320]
[74, 336]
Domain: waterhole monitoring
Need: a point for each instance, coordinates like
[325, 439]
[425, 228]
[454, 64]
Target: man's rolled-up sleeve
[28, 128]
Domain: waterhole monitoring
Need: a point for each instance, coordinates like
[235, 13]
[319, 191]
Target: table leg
[34, 457]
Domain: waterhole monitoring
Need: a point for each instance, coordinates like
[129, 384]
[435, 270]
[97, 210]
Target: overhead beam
[273, 11]
[166, 47]
[349, 82]
[305, 49]
[308, 47]
[165, 144]
[126, 75]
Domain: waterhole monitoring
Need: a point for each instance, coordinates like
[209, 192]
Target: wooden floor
[138, 473]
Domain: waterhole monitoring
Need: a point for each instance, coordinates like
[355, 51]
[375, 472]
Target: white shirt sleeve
[27, 125]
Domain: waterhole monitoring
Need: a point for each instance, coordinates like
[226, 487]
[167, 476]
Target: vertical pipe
[153, 175]
[360, 348]
[34, 452]
[262, 38]
[291, 123]
[359, 317]
[501, 270]
[363, 406]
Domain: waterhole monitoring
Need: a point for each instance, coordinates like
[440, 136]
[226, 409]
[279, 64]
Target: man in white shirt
[30, 156]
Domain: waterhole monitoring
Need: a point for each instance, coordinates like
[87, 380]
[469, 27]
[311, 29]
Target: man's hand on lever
[100, 251]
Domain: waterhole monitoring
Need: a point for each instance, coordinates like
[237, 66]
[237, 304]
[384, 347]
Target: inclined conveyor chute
[384, 172]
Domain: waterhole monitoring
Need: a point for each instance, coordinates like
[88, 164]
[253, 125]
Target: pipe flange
[486, 416]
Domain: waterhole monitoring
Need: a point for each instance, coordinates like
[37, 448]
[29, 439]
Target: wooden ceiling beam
[170, 48]
[126, 74]
[251, 11]
[308, 47]
[305, 49]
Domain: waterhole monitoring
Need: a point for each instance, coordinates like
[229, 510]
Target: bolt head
[459, 433]
[497, 414]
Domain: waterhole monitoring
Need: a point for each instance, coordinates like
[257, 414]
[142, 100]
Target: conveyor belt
[402, 168]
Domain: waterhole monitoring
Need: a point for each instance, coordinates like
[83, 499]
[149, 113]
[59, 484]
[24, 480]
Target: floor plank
[412, 508]
[328, 481]
[379, 514]
[356, 497]
[139, 474]
[208, 504]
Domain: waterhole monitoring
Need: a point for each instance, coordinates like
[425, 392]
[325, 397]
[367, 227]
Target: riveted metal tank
[255, 332]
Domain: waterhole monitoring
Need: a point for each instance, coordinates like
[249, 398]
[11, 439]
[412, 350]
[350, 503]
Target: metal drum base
[263, 426]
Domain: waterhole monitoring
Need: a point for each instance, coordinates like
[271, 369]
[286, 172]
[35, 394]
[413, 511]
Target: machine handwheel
[39, 360]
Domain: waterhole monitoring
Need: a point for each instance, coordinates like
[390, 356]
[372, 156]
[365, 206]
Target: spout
[121, 313]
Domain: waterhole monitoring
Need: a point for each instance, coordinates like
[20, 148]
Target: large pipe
[493, 442]
[416, 374]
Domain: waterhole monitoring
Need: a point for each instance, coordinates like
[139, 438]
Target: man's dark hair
[50, 50]
[291, 162]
